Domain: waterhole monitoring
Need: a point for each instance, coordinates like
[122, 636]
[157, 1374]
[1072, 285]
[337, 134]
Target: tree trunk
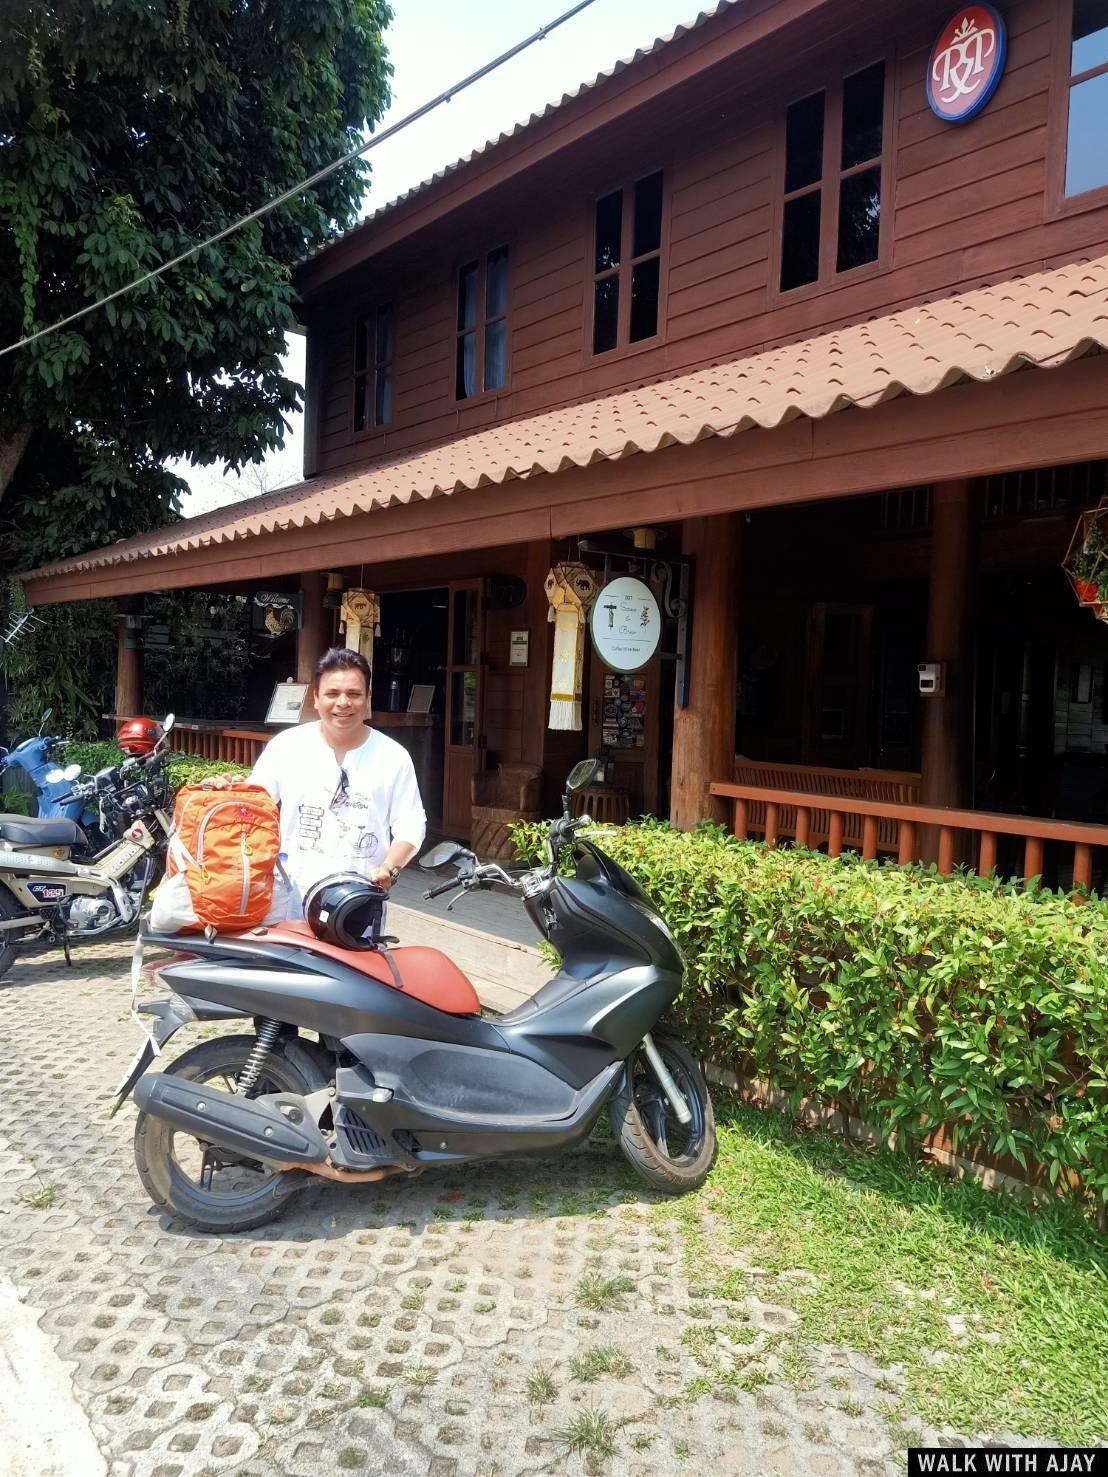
[12, 448]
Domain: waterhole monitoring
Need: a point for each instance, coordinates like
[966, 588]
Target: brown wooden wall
[965, 205]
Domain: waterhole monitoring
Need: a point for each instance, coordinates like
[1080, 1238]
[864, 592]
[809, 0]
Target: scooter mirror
[168, 721]
[442, 855]
[47, 715]
[582, 774]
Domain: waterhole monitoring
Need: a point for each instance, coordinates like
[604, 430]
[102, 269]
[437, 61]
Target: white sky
[433, 43]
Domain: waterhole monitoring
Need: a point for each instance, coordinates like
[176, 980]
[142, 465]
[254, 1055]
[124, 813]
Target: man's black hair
[342, 659]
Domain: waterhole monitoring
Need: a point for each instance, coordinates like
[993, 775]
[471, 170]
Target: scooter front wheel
[672, 1156]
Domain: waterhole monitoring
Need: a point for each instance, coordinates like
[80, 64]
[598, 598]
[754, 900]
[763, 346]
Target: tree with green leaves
[129, 130]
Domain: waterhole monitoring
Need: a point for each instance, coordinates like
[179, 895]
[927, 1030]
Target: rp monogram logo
[966, 63]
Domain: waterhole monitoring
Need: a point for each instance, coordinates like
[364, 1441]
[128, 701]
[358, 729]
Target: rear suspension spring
[267, 1035]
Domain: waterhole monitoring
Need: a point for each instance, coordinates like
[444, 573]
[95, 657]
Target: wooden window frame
[1058, 203]
[829, 183]
[365, 380]
[481, 323]
[627, 262]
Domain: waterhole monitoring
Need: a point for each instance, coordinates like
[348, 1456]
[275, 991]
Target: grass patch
[43, 1197]
[600, 1361]
[594, 1434]
[541, 1387]
[601, 1293]
[373, 1399]
[911, 1262]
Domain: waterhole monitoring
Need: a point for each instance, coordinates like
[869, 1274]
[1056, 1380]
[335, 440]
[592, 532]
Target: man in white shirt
[348, 794]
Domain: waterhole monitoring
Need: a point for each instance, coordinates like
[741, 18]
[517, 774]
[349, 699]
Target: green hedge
[917, 1000]
[182, 769]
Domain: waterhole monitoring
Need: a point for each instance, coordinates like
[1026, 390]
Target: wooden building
[813, 295]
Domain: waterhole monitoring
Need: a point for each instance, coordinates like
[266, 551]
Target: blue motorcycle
[53, 785]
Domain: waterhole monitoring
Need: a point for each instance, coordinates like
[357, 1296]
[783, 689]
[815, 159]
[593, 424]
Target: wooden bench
[902, 787]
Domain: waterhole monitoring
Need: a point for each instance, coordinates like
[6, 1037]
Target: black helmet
[346, 910]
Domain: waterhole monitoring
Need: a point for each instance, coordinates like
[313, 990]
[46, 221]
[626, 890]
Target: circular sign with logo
[967, 63]
[626, 625]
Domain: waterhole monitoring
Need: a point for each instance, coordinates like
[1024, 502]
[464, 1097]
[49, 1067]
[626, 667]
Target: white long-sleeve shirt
[330, 826]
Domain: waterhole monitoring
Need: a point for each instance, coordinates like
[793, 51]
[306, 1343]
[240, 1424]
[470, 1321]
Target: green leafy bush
[181, 769]
[917, 1000]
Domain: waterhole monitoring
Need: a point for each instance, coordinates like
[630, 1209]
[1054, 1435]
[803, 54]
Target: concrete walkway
[529, 1316]
[43, 1430]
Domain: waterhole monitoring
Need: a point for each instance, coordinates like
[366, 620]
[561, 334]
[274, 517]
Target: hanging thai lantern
[571, 589]
[361, 620]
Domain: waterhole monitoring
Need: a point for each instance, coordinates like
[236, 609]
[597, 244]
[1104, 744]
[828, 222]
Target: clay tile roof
[1042, 320]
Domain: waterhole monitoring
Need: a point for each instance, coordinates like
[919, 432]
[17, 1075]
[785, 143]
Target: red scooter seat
[428, 974]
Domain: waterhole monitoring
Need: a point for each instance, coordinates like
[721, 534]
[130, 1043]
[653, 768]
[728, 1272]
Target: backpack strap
[386, 954]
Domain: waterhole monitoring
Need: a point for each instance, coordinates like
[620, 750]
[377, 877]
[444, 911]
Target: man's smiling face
[342, 702]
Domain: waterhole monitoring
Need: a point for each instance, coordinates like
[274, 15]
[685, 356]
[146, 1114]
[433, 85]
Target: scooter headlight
[662, 926]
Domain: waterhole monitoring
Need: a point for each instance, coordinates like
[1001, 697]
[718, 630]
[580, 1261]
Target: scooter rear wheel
[672, 1156]
[177, 1173]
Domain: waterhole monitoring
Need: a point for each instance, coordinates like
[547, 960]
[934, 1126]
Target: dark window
[628, 242]
[481, 354]
[645, 282]
[863, 115]
[373, 361]
[609, 231]
[834, 140]
[605, 328]
[496, 319]
[804, 143]
[1086, 155]
[859, 219]
[800, 241]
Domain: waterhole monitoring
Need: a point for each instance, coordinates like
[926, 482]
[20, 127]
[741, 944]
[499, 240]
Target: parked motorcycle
[53, 785]
[407, 1074]
[54, 891]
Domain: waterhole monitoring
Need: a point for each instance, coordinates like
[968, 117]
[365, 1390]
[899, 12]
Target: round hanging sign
[967, 63]
[626, 625]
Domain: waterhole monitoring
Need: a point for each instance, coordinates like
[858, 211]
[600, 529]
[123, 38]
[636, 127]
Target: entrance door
[464, 696]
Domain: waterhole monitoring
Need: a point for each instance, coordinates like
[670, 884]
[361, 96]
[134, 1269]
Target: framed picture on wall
[287, 703]
[421, 697]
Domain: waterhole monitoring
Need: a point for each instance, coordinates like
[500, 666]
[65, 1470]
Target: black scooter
[406, 1073]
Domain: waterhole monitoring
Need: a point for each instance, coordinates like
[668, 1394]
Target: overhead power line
[312, 179]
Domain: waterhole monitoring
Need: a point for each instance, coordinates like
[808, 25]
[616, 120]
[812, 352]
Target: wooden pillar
[946, 716]
[704, 732]
[128, 661]
[314, 636]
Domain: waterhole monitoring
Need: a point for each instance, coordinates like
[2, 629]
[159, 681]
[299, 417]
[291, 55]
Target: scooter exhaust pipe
[280, 1128]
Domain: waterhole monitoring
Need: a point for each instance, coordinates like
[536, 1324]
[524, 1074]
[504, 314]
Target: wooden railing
[885, 786]
[231, 745]
[909, 821]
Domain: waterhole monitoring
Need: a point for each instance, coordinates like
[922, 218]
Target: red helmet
[139, 735]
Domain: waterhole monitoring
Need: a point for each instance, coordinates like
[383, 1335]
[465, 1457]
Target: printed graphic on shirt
[353, 836]
[310, 826]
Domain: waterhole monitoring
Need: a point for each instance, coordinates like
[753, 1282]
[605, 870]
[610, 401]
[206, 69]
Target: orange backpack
[221, 860]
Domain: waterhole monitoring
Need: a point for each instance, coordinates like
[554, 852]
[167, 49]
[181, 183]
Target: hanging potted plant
[1086, 563]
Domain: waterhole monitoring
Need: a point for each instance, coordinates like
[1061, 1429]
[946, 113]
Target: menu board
[624, 716]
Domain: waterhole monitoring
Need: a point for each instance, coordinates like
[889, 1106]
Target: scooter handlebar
[443, 887]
